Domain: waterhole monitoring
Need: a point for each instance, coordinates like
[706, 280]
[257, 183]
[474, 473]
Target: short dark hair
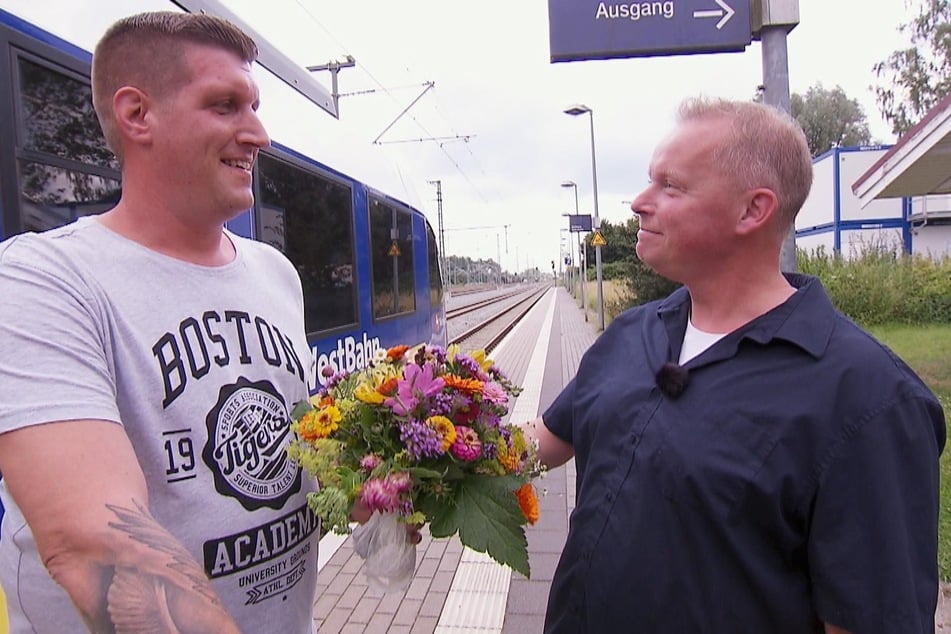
[144, 50]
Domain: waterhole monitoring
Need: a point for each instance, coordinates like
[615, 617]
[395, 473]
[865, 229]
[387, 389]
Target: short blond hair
[766, 148]
[145, 50]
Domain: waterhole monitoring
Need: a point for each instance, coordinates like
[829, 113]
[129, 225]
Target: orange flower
[508, 458]
[396, 352]
[388, 387]
[528, 501]
[326, 401]
[472, 386]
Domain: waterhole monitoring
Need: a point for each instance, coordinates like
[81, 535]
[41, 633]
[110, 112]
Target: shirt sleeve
[559, 417]
[873, 536]
[53, 361]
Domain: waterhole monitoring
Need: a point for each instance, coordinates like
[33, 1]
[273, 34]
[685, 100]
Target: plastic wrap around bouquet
[418, 437]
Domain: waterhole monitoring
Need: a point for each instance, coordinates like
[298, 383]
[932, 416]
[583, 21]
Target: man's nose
[253, 132]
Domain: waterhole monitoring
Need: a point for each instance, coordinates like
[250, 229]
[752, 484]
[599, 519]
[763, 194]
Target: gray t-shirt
[201, 366]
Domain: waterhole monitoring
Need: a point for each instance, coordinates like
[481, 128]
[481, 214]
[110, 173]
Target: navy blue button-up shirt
[794, 481]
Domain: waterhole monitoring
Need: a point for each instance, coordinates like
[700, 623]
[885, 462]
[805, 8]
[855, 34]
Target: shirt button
[609, 496]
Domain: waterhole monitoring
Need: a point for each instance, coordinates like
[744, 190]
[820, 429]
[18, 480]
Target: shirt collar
[806, 319]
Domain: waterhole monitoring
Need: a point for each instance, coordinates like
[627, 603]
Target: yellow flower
[320, 423]
[480, 357]
[368, 394]
[452, 351]
[445, 429]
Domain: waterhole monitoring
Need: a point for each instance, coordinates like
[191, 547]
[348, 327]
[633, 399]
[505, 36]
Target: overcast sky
[496, 90]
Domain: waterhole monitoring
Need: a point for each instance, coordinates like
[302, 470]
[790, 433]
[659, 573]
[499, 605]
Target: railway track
[487, 334]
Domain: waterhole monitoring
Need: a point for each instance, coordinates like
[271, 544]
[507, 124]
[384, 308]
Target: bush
[879, 285]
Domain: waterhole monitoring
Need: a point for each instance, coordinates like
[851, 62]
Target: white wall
[851, 166]
[818, 208]
[809, 244]
[933, 241]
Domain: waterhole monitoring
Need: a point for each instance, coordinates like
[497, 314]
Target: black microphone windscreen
[672, 379]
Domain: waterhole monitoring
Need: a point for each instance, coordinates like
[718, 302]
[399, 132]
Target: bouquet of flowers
[418, 438]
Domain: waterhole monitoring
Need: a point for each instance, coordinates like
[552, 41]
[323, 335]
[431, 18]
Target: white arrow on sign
[725, 13]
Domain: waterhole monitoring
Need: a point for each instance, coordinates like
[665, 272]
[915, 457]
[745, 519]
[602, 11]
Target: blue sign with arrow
[592, 29]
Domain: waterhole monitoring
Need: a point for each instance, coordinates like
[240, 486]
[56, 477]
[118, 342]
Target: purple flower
[471, 366]
[421, 440]
[418, 383]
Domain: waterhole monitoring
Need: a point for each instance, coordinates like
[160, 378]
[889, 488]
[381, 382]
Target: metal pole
[597, 225]
[443, 257]
[498, 254]
[583, 274]
[776, 94]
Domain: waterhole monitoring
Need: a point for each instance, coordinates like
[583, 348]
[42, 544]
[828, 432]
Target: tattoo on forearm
[156, 587]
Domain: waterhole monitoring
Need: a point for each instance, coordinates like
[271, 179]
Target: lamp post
[575, 111]
[567, 280]
[582, 261]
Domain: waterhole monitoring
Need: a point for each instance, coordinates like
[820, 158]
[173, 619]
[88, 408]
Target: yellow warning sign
[394, 249]
[598, 240]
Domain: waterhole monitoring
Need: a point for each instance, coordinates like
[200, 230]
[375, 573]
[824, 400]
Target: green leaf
[421, 473]
[301, 408]
[488, 519]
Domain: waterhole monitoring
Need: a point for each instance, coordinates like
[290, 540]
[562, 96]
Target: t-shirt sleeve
[53, 364]
[873, 537]
[559, 417]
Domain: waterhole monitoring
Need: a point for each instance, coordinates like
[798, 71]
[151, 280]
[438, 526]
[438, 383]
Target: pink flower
[418, 383]
[493, 392]
[467, 446]
[385, 495]
[369, 462]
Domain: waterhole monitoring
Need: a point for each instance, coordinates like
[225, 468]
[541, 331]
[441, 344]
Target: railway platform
[456, 590]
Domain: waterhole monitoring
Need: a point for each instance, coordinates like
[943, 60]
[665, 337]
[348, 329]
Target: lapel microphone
[672, 379]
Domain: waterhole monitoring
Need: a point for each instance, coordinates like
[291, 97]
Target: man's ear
[131, 108]
[762, 205]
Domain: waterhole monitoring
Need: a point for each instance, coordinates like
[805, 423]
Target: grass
[927, 349]
[612, 290]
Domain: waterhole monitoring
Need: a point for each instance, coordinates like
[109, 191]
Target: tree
[829, 118]
[916, 78]
[620, 260]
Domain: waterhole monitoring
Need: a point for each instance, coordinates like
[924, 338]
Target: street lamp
[574, 111]
[582, 261]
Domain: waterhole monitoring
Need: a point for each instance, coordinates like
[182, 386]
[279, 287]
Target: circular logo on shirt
[246, 450]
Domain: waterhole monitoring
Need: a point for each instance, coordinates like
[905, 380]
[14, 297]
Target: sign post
[592, 29]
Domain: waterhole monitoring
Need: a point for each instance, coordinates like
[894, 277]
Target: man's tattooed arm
[123, 571]
[160, 588]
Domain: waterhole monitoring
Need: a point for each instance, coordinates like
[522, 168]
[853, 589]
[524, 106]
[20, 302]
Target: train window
[391, 251]
[310, 218]
[57, 117]
[52, 196]
[435, 279]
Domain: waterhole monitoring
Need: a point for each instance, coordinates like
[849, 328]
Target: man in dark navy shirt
[748, 459]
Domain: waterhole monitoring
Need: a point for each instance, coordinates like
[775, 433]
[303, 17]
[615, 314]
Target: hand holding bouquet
[418, 436]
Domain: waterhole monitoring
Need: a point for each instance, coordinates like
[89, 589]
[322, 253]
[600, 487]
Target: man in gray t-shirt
[148, 364]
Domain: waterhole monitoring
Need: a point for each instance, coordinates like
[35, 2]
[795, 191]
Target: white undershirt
[696, 341]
